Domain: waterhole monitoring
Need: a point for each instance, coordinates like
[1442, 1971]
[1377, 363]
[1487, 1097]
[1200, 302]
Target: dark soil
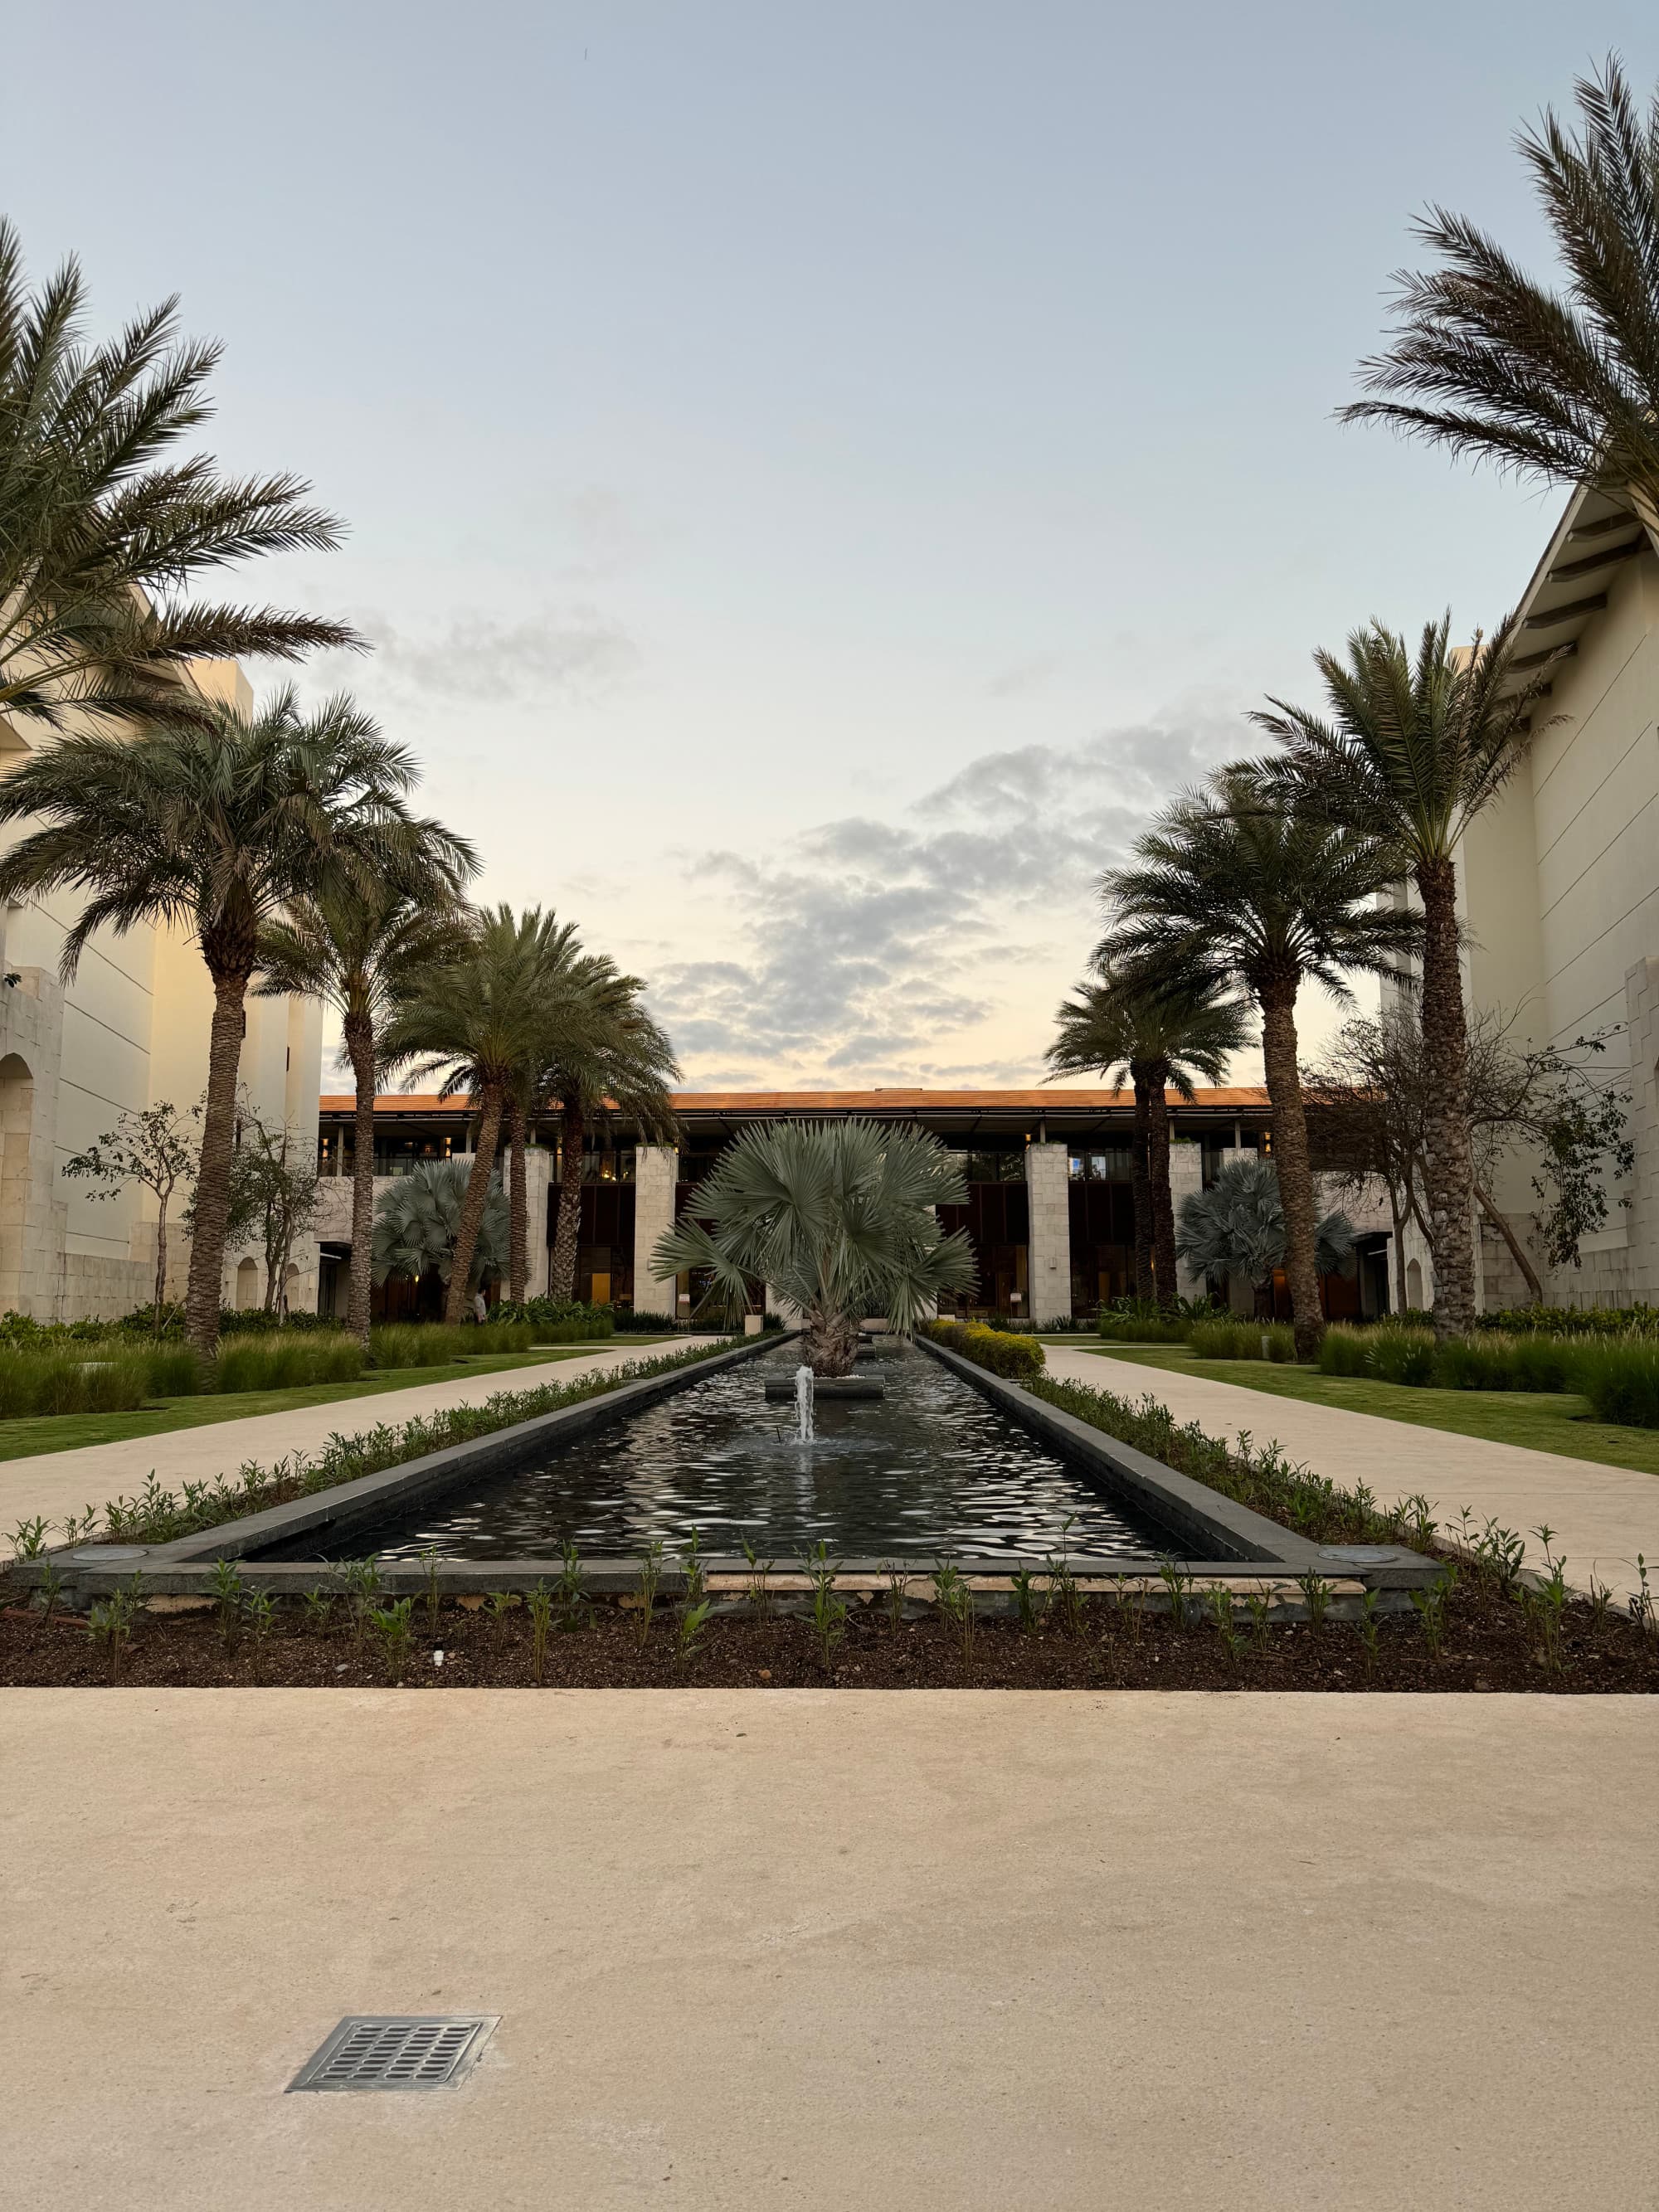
[1489, 1646]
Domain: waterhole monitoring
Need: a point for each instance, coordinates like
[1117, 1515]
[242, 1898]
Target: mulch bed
[1488, 1646]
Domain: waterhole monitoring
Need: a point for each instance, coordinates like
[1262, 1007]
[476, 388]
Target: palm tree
[218, 823]
[1165, 1035]
[1236, 1227]
[838, 1217]
[358, 950]
[417, 1225]
[1563, 387]
[102, 529]
[477, 1019]
[1243, 883]
[564, 971]
[613, 1061]
[1411, 751]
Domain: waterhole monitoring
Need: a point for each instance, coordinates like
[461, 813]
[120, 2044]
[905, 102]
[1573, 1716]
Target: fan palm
[417, 1225]
[1163, 1036]
[357, 949]
[838, 1218]
[1236, 1227]
[477, 1019]
[1413, 748]
[1561, 386]
[101, 529]
[217, 825]
[1244, 884]
[611, 1060]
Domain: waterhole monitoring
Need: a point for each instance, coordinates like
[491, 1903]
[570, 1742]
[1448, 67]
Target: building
[1048, 1207]
[130, 1030]
[1559, 878]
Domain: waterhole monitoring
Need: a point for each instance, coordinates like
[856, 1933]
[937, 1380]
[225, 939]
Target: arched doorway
[1414, 1284]
[16, 1176]
[247, 1285]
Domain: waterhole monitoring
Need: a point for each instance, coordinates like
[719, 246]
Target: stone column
[1049, 1259]
[656, 1172]
[1642, 1012]
[538, 1234]
[1186, 1179]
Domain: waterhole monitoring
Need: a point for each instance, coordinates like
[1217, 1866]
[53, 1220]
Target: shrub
[1018, 1357]
[1621, 1381]
[286, 1363]
[1242, 1339]
[1135, 1329]
[557, 1321]
[1574, 1321]
[1402, 1355]
[1344, 1352]
[90, 1379]
[436, 1343]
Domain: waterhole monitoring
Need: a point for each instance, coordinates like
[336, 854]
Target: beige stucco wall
[130, 1030]
[1560, 887]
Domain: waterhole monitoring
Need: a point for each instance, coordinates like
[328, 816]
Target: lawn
[1557, 1421]
[53, 1432]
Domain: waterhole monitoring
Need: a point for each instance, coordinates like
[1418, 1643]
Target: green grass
[54, 1432]
[1552, 1422]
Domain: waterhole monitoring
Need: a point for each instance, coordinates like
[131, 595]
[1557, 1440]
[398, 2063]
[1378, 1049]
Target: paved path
[1605, 1515]
[58, 1483]
[814, 1949]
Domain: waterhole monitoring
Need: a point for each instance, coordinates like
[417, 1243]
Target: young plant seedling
[576, 1608]
[1317, 1594]
[362, 1578]
[318, 1602]
[956, 1604]
[260, 1609]
[28, 1538]
[1641, 1601]
[230, 1595]
[1221, 1616]
[688, 1627]
[1028, 1599]
[1369, 1626]
[113, 1621]
[540, 1608]
[829, 1611]
[692, 1568]
[498, 1604]
[393, 1626]
[50, 1587]
[1259, 1608]
[1431, 1605]
[898, 1584]
[430, 1556]
[650, 1576]
[1178, 1587]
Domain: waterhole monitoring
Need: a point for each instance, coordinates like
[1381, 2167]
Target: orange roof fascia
[843, 1101]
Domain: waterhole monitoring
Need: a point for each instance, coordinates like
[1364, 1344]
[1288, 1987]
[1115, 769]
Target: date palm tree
[477, 1019]
[607, 1060]
[104, 527]
[1412, 749]
[1562, 386]
[357, 948]
[1163, 1035]
[838, 1217]
[1240, 883]
[217, 825]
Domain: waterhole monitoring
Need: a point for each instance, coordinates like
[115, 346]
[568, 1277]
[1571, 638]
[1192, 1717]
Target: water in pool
[933, 1469]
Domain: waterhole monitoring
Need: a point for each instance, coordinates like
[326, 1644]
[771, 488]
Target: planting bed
[1489, 1645]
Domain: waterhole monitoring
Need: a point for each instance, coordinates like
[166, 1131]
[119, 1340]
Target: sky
[817, 477]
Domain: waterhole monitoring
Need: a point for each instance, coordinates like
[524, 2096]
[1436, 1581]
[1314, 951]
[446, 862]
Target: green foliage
[955, 1600]
[829, 1611]
[690, 1624]
[418, 1219]
[650, 1582]
[158, 1515]
[394, 1632]
[1221, 1618]
[1017, 1357]
[838, 1217]
[111, 1621]
[559, 1320]
[1236, 1227]
[1430, 1607]
[396, 1345]
[1242, 1339]
[1621, 1381]
[285, 1363]
[1316, 1593]
[541, 1620]
[1132, 1326]
[1637, 1321]
[1619, 1376]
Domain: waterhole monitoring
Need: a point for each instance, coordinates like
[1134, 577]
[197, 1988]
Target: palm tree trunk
[207, 1245]
[1517, 1251]
[1292, 1164]
[574, 1130]
[518, 1244]
[1140, 1188]
[1448, 1170]
[456, 1303]
[359, 1034]
[1161, 1203]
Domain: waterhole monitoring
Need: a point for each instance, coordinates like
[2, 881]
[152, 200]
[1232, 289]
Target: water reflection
[932, 1468]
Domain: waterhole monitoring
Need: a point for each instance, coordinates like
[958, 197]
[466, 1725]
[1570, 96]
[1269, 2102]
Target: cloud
[573, 651]
[867, 945]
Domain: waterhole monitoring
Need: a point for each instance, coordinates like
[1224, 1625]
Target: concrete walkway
[55, 1484]
[751, 1950]
[1605, 1515]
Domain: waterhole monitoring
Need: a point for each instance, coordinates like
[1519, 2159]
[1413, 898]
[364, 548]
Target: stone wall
[656, 1172]
[1642, 1014]
[1048, 1266]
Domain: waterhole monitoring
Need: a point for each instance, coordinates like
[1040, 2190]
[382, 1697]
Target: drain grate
[397, 2050]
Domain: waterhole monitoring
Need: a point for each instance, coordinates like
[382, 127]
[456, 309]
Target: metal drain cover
[397, 2050]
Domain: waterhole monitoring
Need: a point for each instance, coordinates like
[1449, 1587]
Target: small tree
[156, 1149]
[273, 1197]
